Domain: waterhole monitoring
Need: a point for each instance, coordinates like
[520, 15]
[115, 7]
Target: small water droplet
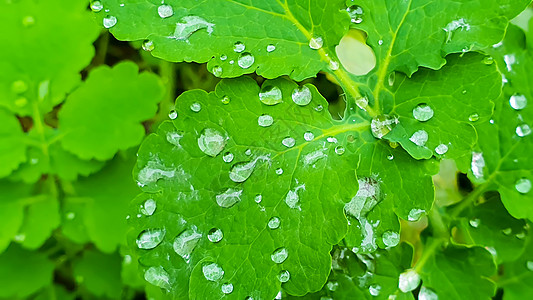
[71, 215]
[380, 42]
[474, 222]
[245, 60]
[19, 87]
[186, 241]
[270, 95]
[212, 272]
[165, 11]
[441, 149]
[284, 276]
[148, 45]
[229, 198]
[271, 48]
[316, 43]
[523, 130]
[274, 223]
[392, 78]
[529, 265]
[507, 231]
[390, 157]
[265, 120]
[279, 171]
[374, 289]
[309, 136]
[228, 157]
[173, 115]
[225, 100]
[279, 255]
[339, 150]
[518, 101]
[423, 112]
[488, 60]
[149, 207]
[302, 96]
[227, 288]
[150, 238]
[239, 47]
[415, 214]
[223, 57]
[409, 280]
[157, 276]
[362, 103]
[391, 238]
[382, 125]
[319, 108]
[288, 142]
[473, 117]
[523, 185]
[196, 107]
[96, 6]
[477, 165]
[427, 294]
[248, 152]
[333, 65]
[211, 142]
[356, 13]
[217, 71]
[419, 138]
[215, 235]
[258, 198]
[331, 139]
[109, 21]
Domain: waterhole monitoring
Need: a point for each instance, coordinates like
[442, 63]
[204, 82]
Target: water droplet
[279, 171]
[332, 285]
[292, 199]
[339, 150]
[274, 223]
[415, 214]
[148, 45]
[473, 117]
[271, 48]
[529, 265]
[356, 13]
[453, 26]
[523, 185]
[302, 96]
[96, 6]
[265, 120]
[314, 156]
[270, 95]
[374, 289]
[362, 103]
[319, 108]
[333, 65]
[392, 78]
[380, 42]
[227, 288]
[279, 255]
[215, 235]
[441, 149]
[229, 198]
[245, 60]
[427, 294]
[518, 101]
[109, 21]
[284, 276]
[248, 152]
[409, 280]
[149, 207]
[390, 157]
[488, 60]
[309, 136]
[241, 171]
[239, 47]
[419, 138]
[477, 165]
[71, 215]
[158, 277]
[150, 238]
[523, 130]
[316, 43]
[189, 25]
[186, 241]
[212, 272]
[474, 222]
[288, 142]
[173, 115]
[217, 71]
[507, 231]
[196, 107]
[391, 238]
[383, 124]
[165, 11]
[423, 112]
[223, 57]
[211, 142]
[225, 100]
[258, 198]
[331, 139]
[228, 157]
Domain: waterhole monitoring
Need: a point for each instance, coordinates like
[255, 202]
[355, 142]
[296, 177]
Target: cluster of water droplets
[356, 13]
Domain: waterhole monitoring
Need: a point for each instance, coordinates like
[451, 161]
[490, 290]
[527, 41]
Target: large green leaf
[47, 44]
[517, 279]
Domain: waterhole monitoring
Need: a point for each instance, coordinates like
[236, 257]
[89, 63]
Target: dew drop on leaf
[478, 164]
[316, 43]
[474, 222]
[523, 130]
[186, 241]
[488, 60]
[279, 255]
[415, 214]
[148, 45]
[270, 95]
[240, 172]
[227, 288]
[423, 112]
[356, 13]
[392, 78]
[228, 157]
[149, 207]
[212, 272]
[109, 21]
[408, 281]
[215, 235]
[271, 48]
[390, 157]
[309, 136]
[19, 87]
[427, 294]
[374, 290]
[211, 142]
[529, 265]
[279, 171]
[239, 47]
[333, 65]
[165, 11]
[158, 277]
[288, 142]
[518, 101]
[339, 150]
[331, 139]
[302, 96]
[248, 152]
[473, 117]
[225, 100]
[229, 198]
[284, 276]
[265, 120]
[319, 108]
[196, 107]
[245, 60]
[96, 6]
[217, 71]
[523, 185]
[362, 103]
[258, 198]
[312, 157]
[274, 223]
[173, 115]
[441, 149]
[292, 199]
[150, 238]
[419, 138]
[383, 124]
[391, 238]
[189, 25]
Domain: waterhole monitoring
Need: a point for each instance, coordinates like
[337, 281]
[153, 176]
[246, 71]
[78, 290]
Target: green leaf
[207, 31]
[40, 219]
[517, 279]
[11, 210]
[12, 147]
[48, 44]
[100, 274]
[121, 99]
[23, 272]
[453, 272]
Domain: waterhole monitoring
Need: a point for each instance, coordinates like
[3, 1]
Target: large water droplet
[212, 272]
[309, 136]
[356, 13]
[423, 112]
[409, 280]
[96, 6]
[228, 157]
[196, 107]
[265, 120]
[419, 138]
[211, 142]
[391, 238]
[149, 207]
[158, 277]
[279, 255]
[474, 222]
[229, 198]
[186, 241]
[473, 117]
[523, 130]
[217, 71]
[150, 238]
[271, 48]
[165, 11]
[288, 142]
[243, 170]
[441, 149]
[245, 60]
[367, 197]
[518, 101]
[284, 276]
[316, 43]
[523, 185]
[148, 45]
[227, 288]
[302, 96]
[478, 164]
[239, 47]
[189, 25]
[274, 223]
[383, 124]
[427, 294]
[339, 150]
[270, 95]
[215, 235]
[109, 21]
[374, 289]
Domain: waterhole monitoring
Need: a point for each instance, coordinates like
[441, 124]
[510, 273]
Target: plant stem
[101, 52]
[168, 75]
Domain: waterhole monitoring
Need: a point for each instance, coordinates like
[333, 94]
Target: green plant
[416, 184]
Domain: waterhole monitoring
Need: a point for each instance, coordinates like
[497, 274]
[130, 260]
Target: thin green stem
[471, 198]
[167, 71]
[101, 52]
